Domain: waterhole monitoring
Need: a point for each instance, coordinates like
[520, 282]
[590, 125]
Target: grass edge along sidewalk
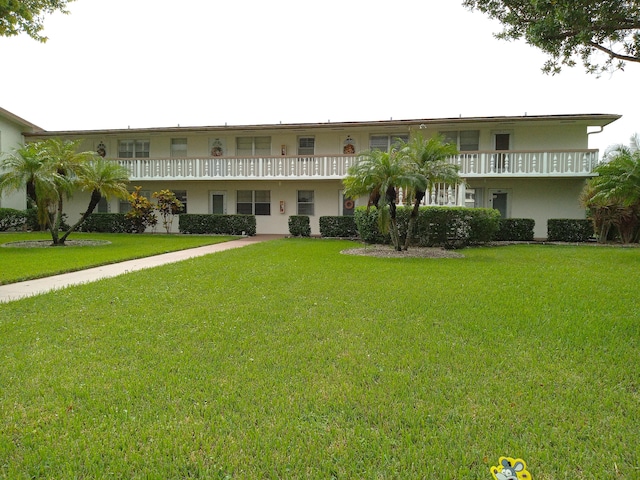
[15, 291]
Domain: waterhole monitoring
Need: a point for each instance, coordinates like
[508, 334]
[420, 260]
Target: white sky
[155, 63]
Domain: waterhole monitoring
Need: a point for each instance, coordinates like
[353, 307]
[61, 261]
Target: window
[103, 205]
[384, 142]
[125, 206]
[305, 202]
[465, 140]
[253, 202]
[179, 147]
[182, 196]
[253, 146]
[133, 149]
[306, 145]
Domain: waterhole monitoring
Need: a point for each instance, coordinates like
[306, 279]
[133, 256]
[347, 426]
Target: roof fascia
[585, 119]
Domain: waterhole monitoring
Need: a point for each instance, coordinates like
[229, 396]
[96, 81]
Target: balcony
[472, 164]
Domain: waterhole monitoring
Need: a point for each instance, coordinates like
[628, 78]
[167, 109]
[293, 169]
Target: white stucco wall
[10, 139]
[327, 200]
[537, 198]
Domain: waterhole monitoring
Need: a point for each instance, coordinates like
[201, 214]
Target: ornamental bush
[107, 223]
[338, 227]
[217, 224]
[569, 230]
[12, 219]
[299, 226]
[515, 230]
[450, 227]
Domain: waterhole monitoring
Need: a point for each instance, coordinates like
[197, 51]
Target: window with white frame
[125, 206]
[179, 147]
[103, 205]
[305, 202]
[253, 202]
[182, 196]
[465, 140]
[306, 145]
[133, 149]
[253, 146]
[385, 142]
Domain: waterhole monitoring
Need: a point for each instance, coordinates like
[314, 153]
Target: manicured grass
[286, 359]
[20, 264]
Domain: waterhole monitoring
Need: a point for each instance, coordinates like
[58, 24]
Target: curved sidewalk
[15, 291]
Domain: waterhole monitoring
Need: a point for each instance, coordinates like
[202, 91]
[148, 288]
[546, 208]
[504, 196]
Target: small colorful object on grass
[511, 469]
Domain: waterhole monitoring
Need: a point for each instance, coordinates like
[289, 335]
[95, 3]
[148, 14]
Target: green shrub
[108, 223]
[342, 227]
[569, 230]
[33, 224]
[299, 226]
[515, 230]
[367, 225]
[12, 219]
[217, 224]
[451, 227]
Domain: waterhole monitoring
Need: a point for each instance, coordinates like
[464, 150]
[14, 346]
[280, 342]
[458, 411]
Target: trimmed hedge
[515, 230]
[108, 223]
[338, 227]
[12, 219]
[217, 224]
[450, 227]
[299, 226]
[569, 230]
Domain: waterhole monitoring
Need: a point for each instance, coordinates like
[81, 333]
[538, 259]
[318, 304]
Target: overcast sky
[154, 63]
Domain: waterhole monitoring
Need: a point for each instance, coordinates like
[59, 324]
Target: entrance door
[502, 142]
[218, 203]
[499, 202]
[348, 206]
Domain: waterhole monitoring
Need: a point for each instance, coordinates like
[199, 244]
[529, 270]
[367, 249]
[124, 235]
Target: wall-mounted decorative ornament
[217, 148]
[101, 150]
[348, 147]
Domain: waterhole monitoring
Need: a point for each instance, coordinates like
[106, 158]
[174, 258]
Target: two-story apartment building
[525, 166]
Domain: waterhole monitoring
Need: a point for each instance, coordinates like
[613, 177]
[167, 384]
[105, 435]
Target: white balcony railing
[527, 163]
[472, 164]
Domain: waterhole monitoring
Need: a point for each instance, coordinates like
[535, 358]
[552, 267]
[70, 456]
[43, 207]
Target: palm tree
[613, 197]
[102, 178]
[379, 174]
[429, 158]
[52, 171]
[23, 168]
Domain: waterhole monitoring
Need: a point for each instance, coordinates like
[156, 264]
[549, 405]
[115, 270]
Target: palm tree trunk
[93, 203]
[419, 195]
[54, 227]
[393, 230]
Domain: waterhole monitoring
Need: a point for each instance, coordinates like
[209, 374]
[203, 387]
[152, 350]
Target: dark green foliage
[338, 227]
[515, 230]
[367, 225]
[108, 223]
[12, 219]
[217, 224]
[602, 34]
[451, 227]
[299, 226]
[32, 219]
[569, 230]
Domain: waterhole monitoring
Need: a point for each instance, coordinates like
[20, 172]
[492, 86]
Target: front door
[218, 203]
[499, 202]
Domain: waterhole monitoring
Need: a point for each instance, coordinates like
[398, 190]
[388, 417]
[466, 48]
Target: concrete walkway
[15, 291]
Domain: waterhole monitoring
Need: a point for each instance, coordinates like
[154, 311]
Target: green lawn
[286, 359]
[20, 264]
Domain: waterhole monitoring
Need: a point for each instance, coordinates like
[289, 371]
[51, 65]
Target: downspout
[590, 133]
